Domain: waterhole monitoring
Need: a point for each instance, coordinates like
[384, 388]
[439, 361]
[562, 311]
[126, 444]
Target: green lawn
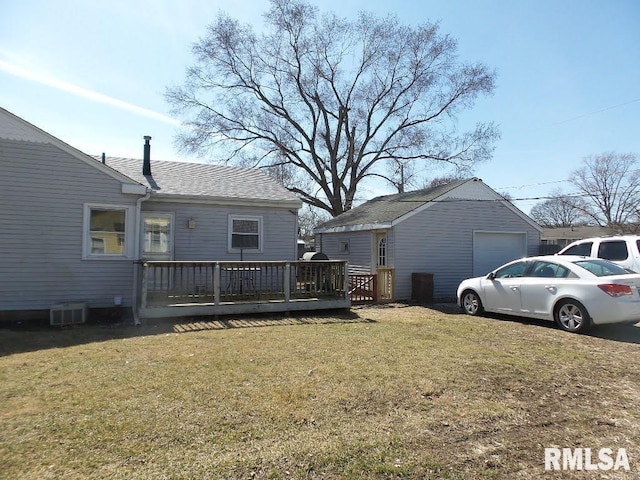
[387, 392]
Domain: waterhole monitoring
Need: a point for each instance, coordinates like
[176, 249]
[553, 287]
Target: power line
[539, 184]
[596, 112]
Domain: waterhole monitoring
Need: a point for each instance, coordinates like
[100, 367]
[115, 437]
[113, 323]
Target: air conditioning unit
[68, 314]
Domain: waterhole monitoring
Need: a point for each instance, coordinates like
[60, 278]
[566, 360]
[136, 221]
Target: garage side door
[492, 249]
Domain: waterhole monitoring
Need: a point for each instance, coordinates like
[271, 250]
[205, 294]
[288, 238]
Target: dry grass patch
[390, 392]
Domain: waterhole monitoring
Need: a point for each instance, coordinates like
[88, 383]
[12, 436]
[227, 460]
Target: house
[75, 228]
[554, 239]
[453, 231]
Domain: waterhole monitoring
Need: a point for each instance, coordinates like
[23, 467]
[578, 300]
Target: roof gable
[382, 211]
[15, 128]
[179, 181]
[202, 182]
[388, 210]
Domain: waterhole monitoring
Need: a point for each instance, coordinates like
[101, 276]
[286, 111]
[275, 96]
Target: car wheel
[471, 303]
[571, 316]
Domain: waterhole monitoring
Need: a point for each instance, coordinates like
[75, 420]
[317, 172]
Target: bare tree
[559, 211]
[610, 185]
[308, 219]
[336, 99]
[443, 180]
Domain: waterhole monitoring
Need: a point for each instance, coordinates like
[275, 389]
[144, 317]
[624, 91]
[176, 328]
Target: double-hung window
[106, 232]
[245, 233]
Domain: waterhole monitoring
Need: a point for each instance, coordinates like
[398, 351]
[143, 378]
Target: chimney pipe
[146, 164]
[104, 159]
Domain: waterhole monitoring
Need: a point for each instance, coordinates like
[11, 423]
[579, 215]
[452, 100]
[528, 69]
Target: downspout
[136, 256]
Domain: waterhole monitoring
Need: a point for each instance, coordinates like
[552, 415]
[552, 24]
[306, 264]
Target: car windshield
[602, 268]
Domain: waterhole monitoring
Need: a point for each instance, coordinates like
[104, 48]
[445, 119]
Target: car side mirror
[491, 276]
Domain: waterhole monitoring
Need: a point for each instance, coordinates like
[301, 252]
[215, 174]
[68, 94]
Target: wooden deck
[181, 289]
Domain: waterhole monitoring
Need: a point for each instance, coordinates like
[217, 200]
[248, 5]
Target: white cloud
[52, 82]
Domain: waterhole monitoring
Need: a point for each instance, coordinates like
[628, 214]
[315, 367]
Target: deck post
[287, 282]
[216, 284]
[345, 273]
[143, 290]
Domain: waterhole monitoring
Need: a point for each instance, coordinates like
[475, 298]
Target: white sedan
[576, 292]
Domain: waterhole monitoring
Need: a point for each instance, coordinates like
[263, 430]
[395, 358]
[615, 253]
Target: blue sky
[94, 74]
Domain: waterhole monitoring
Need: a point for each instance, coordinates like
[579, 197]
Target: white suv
[621, 249]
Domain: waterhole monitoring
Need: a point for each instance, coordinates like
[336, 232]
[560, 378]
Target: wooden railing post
[345, 277]
[216, 284]
[287, 282]
[143, 290]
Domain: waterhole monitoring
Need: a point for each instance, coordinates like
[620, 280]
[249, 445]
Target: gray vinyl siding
[209, 239]
[42, 195]
[439, 240]
[360, 244]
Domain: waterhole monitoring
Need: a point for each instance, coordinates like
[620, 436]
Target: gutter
[234, 201]
[354, 228]
[136, 257]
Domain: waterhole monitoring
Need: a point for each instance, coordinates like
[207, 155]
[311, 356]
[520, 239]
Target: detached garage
[450, 232]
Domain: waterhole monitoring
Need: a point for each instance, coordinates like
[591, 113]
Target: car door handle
[515, 288]
[551, 288]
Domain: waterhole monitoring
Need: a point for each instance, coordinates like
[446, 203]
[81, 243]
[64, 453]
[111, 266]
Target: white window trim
[257, 218]
[128, 232]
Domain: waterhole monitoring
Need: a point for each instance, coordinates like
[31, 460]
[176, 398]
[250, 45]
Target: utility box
[68, 314]
[422, 287]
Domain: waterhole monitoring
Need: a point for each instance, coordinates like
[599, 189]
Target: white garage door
[492, 249]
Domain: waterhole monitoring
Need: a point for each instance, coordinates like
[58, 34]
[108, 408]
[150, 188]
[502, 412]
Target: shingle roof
[201, 180]
[386, 209]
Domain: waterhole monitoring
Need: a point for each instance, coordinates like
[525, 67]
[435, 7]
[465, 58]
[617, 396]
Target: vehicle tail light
[615, 289]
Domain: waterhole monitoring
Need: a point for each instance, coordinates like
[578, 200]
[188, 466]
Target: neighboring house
[453, 231]
[74, 228]
[560, 237]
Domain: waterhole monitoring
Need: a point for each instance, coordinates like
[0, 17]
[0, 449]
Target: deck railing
[240, 286]
[363, 288]
[386, 282]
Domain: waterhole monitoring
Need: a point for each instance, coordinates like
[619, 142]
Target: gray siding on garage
[439, 240]
[360, 243]
[42, 193]
[208, 241]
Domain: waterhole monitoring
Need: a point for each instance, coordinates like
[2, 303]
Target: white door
[492, 249]
[384, 273]
[502, 293]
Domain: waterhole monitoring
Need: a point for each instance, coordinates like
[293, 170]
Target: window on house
[105, 231]
[245, 233]
[344, 246]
